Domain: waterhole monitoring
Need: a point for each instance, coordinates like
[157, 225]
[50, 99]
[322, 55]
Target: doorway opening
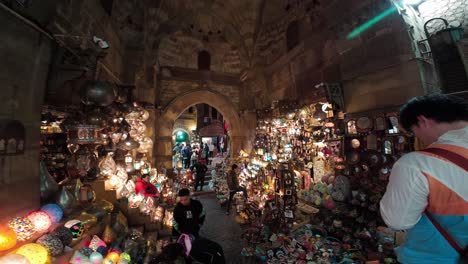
[200, 134]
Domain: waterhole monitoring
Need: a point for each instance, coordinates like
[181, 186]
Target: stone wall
[456, 14]
[85, 19]
[181, 50]
[377, 62]
[25, 57]
[171, 89]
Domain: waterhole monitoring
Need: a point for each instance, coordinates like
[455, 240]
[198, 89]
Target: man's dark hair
[234, 166]
[440, 107]
[183, 192]
[144, 176]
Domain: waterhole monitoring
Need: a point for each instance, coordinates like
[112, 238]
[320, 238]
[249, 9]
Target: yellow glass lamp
[35, 253]
[7, 238]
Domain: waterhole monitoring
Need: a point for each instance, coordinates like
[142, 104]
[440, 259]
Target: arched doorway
[163, 147]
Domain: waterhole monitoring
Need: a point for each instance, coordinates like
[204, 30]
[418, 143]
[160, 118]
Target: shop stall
[315, 179]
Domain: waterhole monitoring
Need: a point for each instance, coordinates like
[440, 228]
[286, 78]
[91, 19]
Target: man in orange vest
[427, 194]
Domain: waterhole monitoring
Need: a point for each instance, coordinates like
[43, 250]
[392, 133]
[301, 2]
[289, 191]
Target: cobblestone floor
[223, 229]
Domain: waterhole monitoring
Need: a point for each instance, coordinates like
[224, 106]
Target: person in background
[234, 187]
[221, 147]
[175, 153]
[427, 193]
[144, 187]
[193, 158]
[210, 152]
[200, 171]
[186, 154]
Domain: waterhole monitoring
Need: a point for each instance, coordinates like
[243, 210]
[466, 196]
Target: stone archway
[163, 142]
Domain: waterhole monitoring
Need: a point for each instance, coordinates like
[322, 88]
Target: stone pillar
[163, 152]
[249, 125]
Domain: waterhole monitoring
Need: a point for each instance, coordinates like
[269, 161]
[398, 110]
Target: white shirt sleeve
[406, 197]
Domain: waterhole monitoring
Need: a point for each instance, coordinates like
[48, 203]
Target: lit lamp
[137, 165]
[146, 168]
[23, 228]
[35, 253]
[41, 220]
[7, 238]
[128, 158]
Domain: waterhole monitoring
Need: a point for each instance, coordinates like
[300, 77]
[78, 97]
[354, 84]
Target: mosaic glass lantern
[76, 227]
[23, 228]
[54, 211]
[64, 234]
[96, 258]
[52, 243]
[7, 238]
[41, 220]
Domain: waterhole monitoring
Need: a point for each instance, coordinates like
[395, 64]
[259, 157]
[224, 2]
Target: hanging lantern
[144, 115]
[14, 259]
[122, 192]
[35, 253]
[52, 243]
[146, 144]
[107, 165]
[145, 169]
[137, 165]
[128, 144]
[54, 211]
[115, 137]
[76, 227]
[41, 220]
[128, 158]
[98, 93]
[7, 238]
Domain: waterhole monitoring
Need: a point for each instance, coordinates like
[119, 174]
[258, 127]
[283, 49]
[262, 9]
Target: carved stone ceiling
[143, 23]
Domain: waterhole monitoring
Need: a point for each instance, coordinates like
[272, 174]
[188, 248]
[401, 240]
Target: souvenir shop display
[318, 179]
[102, 140]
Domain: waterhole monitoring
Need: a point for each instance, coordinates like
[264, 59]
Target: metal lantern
[65, 199]
[98, 93]
[48, 186]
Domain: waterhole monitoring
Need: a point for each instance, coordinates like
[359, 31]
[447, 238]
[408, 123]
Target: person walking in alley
[189, 216]
[233, 184]
[200, 171]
